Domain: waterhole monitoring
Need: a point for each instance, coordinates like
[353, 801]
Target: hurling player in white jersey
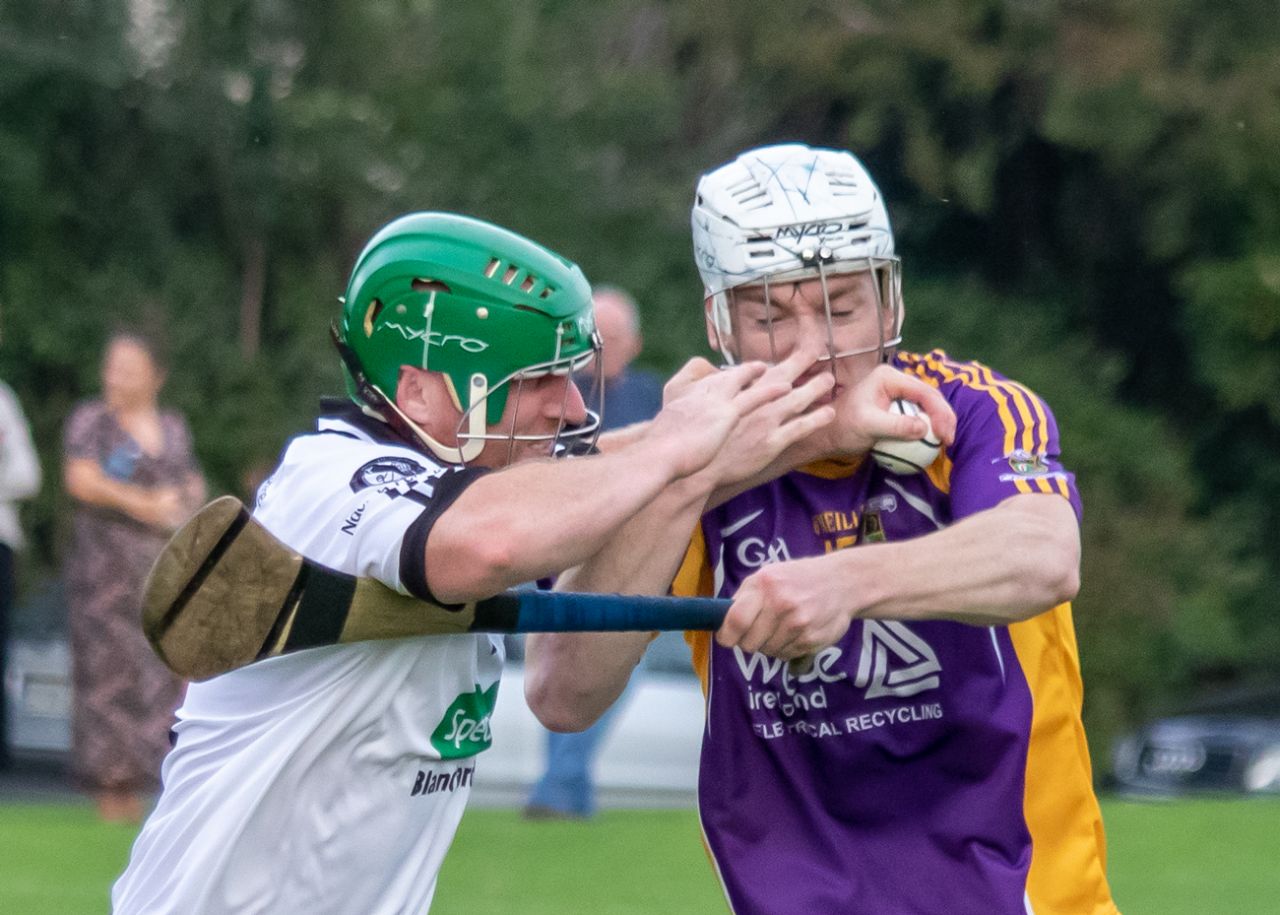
[332, 780]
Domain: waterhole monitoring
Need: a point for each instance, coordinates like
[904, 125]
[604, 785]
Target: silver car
[1201, 753]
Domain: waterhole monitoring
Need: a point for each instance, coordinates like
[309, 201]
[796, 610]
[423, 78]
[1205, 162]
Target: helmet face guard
[578, 438]
[785, 214]
[479, 304]
[729, 324]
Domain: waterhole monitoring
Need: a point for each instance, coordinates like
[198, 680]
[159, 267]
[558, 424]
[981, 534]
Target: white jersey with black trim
[331, 780]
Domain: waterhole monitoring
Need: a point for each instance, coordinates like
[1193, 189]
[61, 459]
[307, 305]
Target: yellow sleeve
[694, 579]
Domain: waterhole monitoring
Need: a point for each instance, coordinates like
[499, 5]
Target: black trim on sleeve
[413, 548]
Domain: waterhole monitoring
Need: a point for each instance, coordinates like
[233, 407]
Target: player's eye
[764, 319]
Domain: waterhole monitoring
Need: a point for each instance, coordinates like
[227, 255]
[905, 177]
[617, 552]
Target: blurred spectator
[566, 789]
[19, 479]
[631, 394]
[130, 469]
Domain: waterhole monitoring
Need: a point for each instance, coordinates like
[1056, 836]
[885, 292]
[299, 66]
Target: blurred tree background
[1086, 194]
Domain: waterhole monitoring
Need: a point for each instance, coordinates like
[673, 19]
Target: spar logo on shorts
[464, 730]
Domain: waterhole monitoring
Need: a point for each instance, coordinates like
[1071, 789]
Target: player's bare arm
[497, 534]
[993, 568]
[571, 679]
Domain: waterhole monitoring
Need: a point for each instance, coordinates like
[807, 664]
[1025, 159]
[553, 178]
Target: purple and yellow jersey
[919, 767]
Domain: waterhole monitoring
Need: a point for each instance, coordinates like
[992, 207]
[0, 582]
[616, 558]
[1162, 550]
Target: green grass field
[1197, 857]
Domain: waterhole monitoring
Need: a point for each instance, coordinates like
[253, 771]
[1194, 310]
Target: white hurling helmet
[791, 212]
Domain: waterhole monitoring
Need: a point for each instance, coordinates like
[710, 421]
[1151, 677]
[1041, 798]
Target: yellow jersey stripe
[694, 579]
[1019, 396]
[1042, 421]
[1068, 849]
[952, 371]
[1009, 397]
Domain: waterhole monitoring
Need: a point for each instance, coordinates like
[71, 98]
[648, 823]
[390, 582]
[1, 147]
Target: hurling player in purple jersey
[927, 754]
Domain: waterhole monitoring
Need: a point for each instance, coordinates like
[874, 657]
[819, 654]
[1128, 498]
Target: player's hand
[701, 408]
[776, 414]
[690, 374]
[787, 610]
[864, 416]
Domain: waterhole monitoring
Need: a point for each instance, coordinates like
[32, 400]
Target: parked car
[649, 757]
[1238, 753]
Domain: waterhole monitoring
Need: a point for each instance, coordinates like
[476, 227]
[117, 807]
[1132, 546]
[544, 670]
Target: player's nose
[812, 335]
[568, 405]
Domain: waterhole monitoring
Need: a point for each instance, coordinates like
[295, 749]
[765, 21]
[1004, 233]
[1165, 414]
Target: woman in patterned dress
[129, 467]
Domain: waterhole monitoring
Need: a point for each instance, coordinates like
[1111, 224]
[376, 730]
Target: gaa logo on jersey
[464, 730]
[1026, 464]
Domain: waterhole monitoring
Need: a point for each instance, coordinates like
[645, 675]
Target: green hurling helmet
[475, 302]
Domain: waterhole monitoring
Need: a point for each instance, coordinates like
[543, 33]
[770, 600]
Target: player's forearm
[539, 518]
[642, 556]
[572, 678]
[805, 451]
[617, 439]
[996, 567]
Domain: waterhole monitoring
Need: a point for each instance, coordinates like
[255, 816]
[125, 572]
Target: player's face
[793, 315]
[535, 406]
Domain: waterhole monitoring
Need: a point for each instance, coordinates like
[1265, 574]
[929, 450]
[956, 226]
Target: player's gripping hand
[864, 416]
[776, 414]
[787, 610]
[701, 408]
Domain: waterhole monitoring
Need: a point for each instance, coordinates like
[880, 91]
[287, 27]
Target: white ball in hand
[907, 455]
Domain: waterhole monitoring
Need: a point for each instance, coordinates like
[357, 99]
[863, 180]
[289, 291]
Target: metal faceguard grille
[724, 309]
[567, 438]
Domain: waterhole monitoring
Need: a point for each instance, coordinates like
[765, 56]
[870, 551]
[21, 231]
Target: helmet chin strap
[469, 445]
[455, 454]
[473, 441]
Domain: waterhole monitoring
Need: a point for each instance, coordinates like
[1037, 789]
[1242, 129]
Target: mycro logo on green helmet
[578, 329]
[435, 338]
